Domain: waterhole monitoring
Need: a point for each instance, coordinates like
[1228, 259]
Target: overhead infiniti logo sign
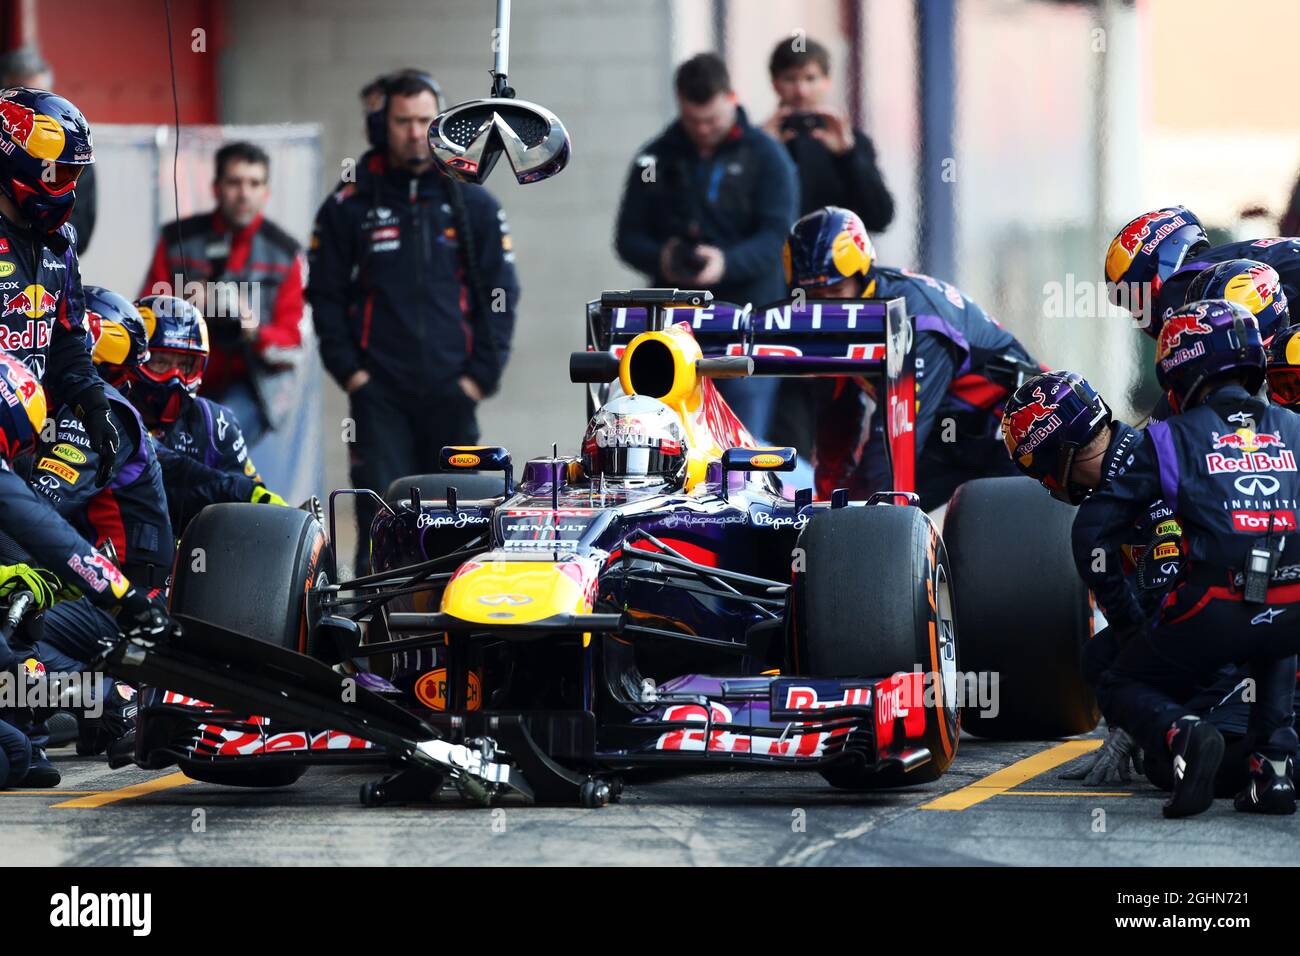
[467, 140]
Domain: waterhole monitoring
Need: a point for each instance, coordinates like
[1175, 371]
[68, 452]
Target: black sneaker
[42, 773]
[1197, 749]
[1272, 787]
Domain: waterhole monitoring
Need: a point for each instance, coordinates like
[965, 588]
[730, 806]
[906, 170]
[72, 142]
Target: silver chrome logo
[468, 139]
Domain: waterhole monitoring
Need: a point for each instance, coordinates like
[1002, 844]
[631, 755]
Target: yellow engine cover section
[519, 592]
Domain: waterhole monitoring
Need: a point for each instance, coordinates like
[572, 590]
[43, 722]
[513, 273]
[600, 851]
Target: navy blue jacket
[388, 288]
[1228, 470]
[957, 348]
[1150, 548]
[131, 510]
[743, 200]
[43, 312]
[204, 460]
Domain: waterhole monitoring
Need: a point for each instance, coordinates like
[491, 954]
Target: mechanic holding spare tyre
[1226, 466]
[966, 366]
[413, 293]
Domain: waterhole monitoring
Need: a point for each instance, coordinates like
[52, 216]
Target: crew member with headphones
[413, 293]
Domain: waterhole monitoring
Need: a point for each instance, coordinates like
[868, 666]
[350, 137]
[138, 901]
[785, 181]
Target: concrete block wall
[603, 66]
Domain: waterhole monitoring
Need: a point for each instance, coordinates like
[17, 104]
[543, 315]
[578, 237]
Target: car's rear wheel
[1023, 611]
[873, 599]
[469, 485]
[249, 568]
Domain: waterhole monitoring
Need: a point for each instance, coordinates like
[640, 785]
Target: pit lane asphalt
[1005, 805]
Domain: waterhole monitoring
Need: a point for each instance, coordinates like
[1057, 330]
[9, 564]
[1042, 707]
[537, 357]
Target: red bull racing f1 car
[549, 636]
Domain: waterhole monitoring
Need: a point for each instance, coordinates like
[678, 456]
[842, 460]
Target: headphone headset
[377, 119]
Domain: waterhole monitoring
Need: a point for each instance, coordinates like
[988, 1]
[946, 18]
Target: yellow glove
[44, 585]
[265, 496]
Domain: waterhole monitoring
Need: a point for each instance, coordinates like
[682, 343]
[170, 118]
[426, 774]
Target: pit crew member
[1225, 466]
[966, 366]
[45, 146]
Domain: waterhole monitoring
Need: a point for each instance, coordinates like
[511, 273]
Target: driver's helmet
[635, 440]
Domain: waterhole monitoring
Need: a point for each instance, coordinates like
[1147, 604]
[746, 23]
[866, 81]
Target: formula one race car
[551, 636]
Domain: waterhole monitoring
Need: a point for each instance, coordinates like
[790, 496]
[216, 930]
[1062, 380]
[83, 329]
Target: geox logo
[74, 909]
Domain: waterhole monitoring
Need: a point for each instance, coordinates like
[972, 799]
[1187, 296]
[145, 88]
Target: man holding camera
[250, 272]
[706, 206]
[837, 167]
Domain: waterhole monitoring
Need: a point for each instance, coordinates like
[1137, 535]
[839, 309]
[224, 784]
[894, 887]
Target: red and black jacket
[205, 248]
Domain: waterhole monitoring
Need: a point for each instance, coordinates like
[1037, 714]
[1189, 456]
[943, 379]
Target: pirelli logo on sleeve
[64, 471]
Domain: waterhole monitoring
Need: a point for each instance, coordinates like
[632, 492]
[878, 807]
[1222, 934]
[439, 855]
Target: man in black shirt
[836, 165]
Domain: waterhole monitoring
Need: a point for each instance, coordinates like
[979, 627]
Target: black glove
[139, 617]
[92, 409]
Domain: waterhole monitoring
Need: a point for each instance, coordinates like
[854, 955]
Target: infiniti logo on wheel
[498, 599]
[1257, 485]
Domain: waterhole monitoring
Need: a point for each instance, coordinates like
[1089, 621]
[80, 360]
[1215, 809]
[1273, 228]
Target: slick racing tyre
[872, 600]
[258, 563]
[1022, 610]
[469, 485]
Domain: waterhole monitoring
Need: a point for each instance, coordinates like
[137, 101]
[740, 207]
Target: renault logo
[496, 600]
[467, 140]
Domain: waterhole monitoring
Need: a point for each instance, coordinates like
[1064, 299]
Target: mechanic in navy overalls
[165, 392]
[966, 366]
[1226, 465]
[56, 562]
[1059, 431]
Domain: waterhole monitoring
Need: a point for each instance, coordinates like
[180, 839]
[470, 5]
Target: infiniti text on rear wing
[867, 339]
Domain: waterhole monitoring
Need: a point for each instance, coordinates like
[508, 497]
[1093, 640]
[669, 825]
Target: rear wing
[870, 339]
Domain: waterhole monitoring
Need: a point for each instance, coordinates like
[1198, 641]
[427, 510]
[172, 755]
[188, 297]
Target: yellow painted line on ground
[1000, 781]
[1068, 793]
[125, 793]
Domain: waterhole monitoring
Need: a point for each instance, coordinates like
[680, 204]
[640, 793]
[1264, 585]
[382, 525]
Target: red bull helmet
[1253, 284]
[1205, 339]
[1046, 421]
[22, 408]
[44, 146]
[825, 247]
[115, 334]
[1284, 368]
[635, 440]
[178, 354]
[1145, 253]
